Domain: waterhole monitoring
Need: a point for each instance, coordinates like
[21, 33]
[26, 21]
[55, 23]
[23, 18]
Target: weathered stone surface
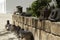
[52, 37]
[42, 25]
[55, 15]
[35, 26]
[36, 23]
[55, 28]
[33, 23]
[21, 25]
[44, 35]
[25, 27]
[39, 24]
[24, 20]
[58, 38]
[37, 34]
[47, 26]
[33, 31]
[16, 23]
[30, 29]
[29, 21]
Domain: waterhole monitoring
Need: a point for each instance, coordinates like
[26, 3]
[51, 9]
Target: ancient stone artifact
[26, 14]
[55, 15]
[45, 12]
[8, 25]
[19, 10]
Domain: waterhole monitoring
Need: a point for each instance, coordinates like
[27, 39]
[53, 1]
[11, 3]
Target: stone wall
[42, 30]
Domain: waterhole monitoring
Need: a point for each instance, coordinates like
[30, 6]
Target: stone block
[58, 38]
[55, 28]
[29, 21]
[24, 20]
[44, 35]
[39, 24]
[16, 23]
[33, 31]
[25, 27]
[30, 29]
[36, 23]
[33, 22]
[37, 34]
[19, 24]
[47, 26]
[52, 37]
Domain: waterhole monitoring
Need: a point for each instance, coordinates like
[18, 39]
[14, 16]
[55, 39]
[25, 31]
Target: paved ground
[5, 35]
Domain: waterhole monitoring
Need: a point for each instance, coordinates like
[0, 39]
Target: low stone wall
[42, 30]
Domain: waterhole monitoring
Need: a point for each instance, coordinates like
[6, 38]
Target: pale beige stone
[55, 29]
[37, 34]
[52, 37]
[39, 24]
[44, 35]
[47, 26]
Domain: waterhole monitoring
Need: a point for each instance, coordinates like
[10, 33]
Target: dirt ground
[5, 35]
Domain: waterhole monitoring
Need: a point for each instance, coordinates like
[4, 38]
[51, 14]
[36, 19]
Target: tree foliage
[37, 5]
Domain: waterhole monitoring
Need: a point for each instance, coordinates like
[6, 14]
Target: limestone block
[33, 22]
[33, 31]
[37, 34]
[55, 28]
[42, 25]
[16, 23]
[58, 38]
[19, 19]
[36, 23]
[16, 17]
[30, 29]
[39, 24]
[24, 20]
[29, 21]
[20, 24]
[47, 26]
[24, 27]
[44, 35]
[52, 37]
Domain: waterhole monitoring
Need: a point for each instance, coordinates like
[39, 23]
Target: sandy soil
[5, 35]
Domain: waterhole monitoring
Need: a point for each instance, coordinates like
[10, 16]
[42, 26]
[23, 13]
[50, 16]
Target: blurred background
[9, 6]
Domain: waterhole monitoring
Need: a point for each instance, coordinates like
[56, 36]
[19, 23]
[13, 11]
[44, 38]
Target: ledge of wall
[42, 30]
